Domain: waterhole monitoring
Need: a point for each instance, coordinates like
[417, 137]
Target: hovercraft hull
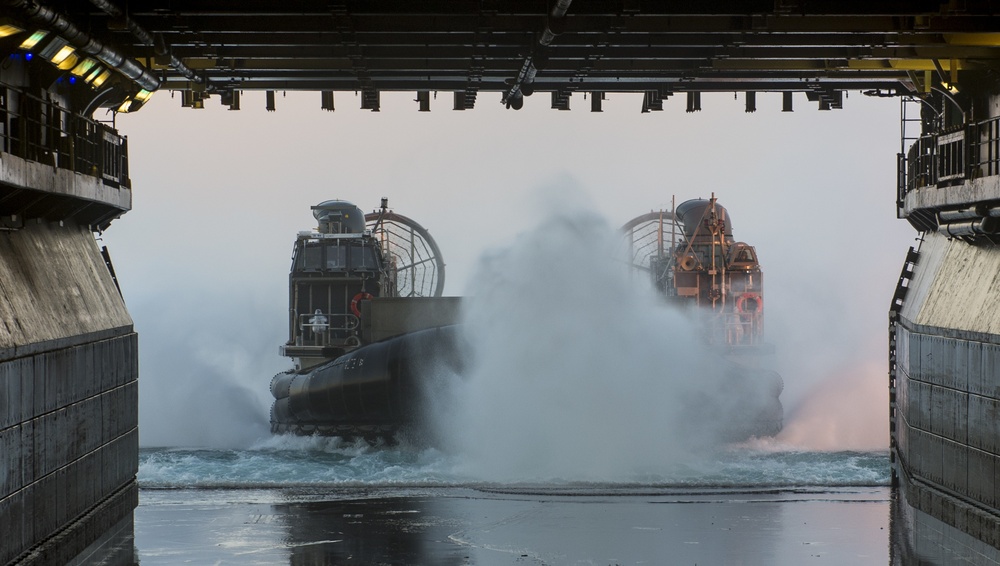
[369, 392]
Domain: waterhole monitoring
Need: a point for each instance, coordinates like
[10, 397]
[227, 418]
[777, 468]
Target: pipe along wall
[68, 396]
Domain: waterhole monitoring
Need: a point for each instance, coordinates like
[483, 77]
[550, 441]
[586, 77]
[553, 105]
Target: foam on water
[292, 462]
[285, 462]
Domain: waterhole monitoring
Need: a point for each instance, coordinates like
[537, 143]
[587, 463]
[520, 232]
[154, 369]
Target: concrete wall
[68, 396]
[18, 173]
[948, 386]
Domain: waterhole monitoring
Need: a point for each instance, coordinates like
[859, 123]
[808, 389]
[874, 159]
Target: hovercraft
[366, 322]
[690, 256]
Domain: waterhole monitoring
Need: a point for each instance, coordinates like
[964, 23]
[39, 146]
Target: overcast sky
[218, 197]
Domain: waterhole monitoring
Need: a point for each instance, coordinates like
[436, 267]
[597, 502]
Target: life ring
[362, 296]
[742, 299]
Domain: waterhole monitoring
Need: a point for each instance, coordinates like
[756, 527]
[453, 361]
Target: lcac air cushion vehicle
[367, 325]
[693, 261]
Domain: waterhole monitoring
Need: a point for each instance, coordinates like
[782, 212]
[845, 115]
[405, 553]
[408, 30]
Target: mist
[219, 195]
[204, 387]
[579, 372]
[847, 410]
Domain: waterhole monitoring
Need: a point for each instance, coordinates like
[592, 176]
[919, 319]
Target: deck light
[99, 79]
[96, 70]
[56, 50]
[64, 55]
[83, 67]
[69, 63]
[9, 27]
[33, 40]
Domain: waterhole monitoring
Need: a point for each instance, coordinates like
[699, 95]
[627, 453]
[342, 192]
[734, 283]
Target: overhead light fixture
[9, 27]
[693, 102]
[125, 105]
[143, 95]
[560, 100]
[371, 99]
[69, 63]
[514, 100]
[64, 54]
[423, 101]
[96, 70]
[99, 79]
[84, 67]
[56, 50]
[596, 100]
[33, 40]
[652, 101]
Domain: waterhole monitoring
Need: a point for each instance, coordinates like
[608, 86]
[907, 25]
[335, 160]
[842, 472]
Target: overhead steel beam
[144, 36]
[47, 18]
[470, 46]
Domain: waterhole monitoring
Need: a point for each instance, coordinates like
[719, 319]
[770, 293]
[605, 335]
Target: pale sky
[218, 197]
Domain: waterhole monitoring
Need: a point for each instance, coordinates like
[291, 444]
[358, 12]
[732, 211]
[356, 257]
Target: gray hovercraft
[366, 321]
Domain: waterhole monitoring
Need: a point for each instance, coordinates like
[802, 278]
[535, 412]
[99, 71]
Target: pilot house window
[335, 257]
[363, 258]
[309, 258]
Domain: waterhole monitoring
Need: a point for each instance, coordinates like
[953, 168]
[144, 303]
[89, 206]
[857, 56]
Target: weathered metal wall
[68, 396]
[919, 538]
[947, 430]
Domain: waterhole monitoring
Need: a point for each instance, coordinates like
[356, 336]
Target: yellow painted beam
[953, 65]
[200, 62]
[985, 39]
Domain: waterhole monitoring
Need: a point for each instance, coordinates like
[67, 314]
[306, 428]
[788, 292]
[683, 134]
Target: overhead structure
[518, 47]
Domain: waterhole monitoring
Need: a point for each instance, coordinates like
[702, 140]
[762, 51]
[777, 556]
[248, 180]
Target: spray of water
[202, 363]
[580, 372]
[847, 410]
